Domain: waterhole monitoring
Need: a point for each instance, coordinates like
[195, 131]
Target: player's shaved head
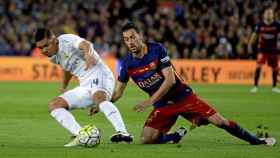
[129, 26]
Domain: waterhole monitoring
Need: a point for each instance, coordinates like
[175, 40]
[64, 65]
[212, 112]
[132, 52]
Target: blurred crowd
[196, 29]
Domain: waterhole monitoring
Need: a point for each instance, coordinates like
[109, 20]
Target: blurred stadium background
[194, 29]
[207, 40]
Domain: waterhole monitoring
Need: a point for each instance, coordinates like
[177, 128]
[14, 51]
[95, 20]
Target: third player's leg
[273, 63]
[261, 59]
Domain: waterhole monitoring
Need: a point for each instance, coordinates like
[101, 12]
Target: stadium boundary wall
[194, 71]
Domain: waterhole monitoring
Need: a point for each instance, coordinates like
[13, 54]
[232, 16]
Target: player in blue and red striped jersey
[149, 66]
[266, 35]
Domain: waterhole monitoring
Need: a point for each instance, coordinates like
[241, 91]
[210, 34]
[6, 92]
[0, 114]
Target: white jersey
[71, 58]
[98, 78]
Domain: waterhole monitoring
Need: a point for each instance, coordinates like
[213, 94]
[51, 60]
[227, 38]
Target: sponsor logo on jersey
[268, 36]
[150, 81]
[268, 29]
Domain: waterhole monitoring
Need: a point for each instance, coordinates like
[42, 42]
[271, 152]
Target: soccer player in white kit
[77, 57]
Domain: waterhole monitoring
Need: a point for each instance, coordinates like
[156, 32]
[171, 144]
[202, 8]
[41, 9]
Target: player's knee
[151, 138]
[52, 105]
[222, 123]
[147, 140]
[99, 97]
[219, 121]
[57, 103]
[143, 140]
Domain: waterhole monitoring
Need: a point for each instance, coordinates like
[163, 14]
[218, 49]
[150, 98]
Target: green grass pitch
[27, 130]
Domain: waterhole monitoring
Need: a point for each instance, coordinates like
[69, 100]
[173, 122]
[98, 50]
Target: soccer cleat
[275, 90]
[121, 137]
[254, 90]
[181, 133]
[260, 132]
[74, 142]
[270, 141]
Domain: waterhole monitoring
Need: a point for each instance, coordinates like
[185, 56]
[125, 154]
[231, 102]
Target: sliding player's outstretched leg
[234, 129]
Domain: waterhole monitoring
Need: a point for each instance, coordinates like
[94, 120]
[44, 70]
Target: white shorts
[81, 96]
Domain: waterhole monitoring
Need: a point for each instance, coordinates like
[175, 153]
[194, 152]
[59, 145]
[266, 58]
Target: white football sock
[67, 120]
[113, 115]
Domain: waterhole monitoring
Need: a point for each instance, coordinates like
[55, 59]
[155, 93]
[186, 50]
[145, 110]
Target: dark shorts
[191, 108]
[270, 59]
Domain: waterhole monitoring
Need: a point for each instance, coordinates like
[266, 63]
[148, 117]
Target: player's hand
[93, 110]
[143, 105]
[89, 61]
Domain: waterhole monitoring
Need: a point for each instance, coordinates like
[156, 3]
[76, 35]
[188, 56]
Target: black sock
[165, 138]
[274, 77]
[235, 130]
[257, 76]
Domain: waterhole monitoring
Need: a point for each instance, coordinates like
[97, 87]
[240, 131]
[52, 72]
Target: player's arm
[168, 82]
[252, 41]
[87, 50]
[168, 73]
[118, 92]
[278, 36]
[278, 41]
[121, 82]
[65, 80]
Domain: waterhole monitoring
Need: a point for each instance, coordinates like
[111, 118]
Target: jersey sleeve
[123, 76]
[76, 41]
[72, 39]
[164, 59]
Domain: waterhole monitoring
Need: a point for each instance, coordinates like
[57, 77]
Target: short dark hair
[128, 26]
[41, 33]
[267, 6]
